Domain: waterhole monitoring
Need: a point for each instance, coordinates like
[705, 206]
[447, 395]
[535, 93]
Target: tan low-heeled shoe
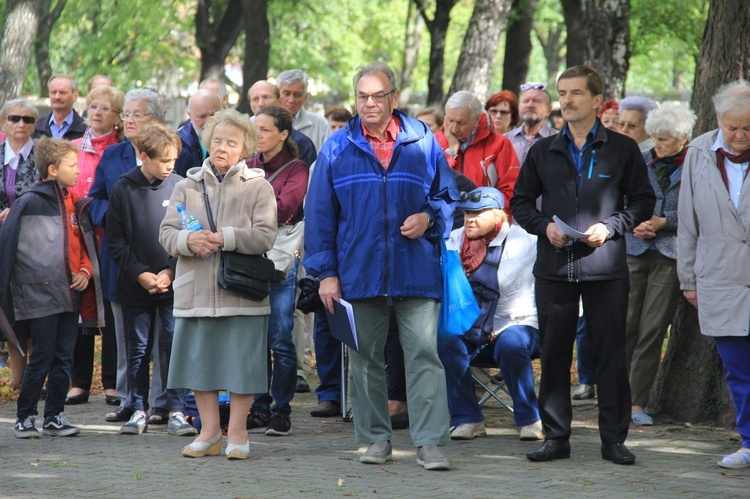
[202, 449]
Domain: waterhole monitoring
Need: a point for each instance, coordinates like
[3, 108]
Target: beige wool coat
[244, 210]
[713, 243]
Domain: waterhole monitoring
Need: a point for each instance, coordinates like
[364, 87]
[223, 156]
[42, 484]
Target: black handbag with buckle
[249, 276]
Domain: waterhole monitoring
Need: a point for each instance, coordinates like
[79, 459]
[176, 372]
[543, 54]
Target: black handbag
[249, 276]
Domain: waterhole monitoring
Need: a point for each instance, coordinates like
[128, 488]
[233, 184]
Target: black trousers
[605, 306]
[83, 355]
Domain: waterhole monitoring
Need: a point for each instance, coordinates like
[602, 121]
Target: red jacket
[491, 148]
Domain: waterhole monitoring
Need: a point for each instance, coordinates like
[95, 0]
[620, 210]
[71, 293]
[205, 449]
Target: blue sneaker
[641, 419]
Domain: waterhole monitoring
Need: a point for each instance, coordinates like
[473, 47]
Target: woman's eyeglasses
[533, 86]
[93, 108]
[14, 118]
[135, 116]
[498, 112]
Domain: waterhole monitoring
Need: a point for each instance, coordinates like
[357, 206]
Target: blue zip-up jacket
[355, 209]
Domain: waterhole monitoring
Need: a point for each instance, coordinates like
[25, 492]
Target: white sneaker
[468, 431]
[532, 432]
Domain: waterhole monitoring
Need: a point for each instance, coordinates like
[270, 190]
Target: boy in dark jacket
[45, 267]
[137, 205]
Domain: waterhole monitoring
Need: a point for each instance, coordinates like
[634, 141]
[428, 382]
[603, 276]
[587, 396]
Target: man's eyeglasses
[135, 116]
[93, 108]
[533, 86]
[376, 98]
[14, 118]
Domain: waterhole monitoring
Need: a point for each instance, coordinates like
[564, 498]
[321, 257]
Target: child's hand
[164, 280]
[148, 281]
[80, 282]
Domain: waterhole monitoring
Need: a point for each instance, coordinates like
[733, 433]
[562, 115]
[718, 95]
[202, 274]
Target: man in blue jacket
[378, 204]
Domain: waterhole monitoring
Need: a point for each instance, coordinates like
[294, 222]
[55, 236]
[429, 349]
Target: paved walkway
[320, 459]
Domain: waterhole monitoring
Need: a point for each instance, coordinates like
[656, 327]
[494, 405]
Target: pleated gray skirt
[220, 353]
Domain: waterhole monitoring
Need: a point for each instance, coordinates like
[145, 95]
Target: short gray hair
[237, 120]
[464, 98]
[219, 84]
[732, 96]
[637, 103]
[152, 99]
[292, 76]
[671, 119]
[18, 103]
[375, 68]
[73, 81]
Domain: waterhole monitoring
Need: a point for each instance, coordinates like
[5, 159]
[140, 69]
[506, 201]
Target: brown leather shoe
[326, 409]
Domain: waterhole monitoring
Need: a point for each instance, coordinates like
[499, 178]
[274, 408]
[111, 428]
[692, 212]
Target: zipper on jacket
[66, 244]
[592, 162]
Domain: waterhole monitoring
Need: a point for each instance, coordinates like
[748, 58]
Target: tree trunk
[412, 44]
[480, 47]
[725, 57]
[438, 28]
[257, 47]
[518, 43]
[552, 45]
[599, 35]
[16, 39]
[691, 385]
[215, 34]
[47, 19]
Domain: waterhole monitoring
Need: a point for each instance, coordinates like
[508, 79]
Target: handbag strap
[276, 173]
[208, 208]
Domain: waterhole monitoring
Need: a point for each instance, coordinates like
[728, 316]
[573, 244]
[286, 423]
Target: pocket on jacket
[32, 289]
[184, 291]
[722, 307]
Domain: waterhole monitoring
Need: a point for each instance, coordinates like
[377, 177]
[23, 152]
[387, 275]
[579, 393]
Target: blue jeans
[283, 372]
[139, 326]
[54, 339]
[328, 360]
[734, 352]
[586, 362]
[512, 352]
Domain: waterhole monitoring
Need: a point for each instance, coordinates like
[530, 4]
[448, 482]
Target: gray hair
[671, 119]
[292, 76]
[219, 84]
[731, 97]
[464, 98]
[73, 81]
[636, 103]
[236, 119]
[375, 68]
[152, 99]
[18, 103]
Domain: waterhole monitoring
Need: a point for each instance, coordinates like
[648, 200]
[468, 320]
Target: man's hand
[453, 143]
[598, 235]
[330, 289]
[692, 297]
[147, 280]
[415, 225]
[555, 236]
[80, 281]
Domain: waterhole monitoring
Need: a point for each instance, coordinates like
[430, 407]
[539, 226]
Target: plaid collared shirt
[383, 149]
[522, 145]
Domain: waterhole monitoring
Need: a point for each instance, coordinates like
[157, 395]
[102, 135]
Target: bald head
[263, 94]
[202, 105]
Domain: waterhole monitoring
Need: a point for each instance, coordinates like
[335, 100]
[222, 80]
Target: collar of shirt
[571, 144]
[10, 155]
[383, 149]
[465, 145]
[720, 144]
[59, 131]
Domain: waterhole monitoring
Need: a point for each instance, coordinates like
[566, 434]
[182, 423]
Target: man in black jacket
[63, 122]
[596, 182]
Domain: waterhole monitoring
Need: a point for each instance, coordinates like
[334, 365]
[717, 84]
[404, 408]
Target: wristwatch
[430, 221]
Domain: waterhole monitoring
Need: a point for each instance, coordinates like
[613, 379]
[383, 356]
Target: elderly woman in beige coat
[220, 338]
[713, 248]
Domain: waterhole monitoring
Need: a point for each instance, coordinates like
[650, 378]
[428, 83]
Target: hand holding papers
[568, 230]
[342, 323]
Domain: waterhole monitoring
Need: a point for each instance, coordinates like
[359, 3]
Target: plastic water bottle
[188, 220]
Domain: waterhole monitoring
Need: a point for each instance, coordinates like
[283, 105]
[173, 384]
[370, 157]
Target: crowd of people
[583, 225]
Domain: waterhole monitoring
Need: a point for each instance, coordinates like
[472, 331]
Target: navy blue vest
[487, 292]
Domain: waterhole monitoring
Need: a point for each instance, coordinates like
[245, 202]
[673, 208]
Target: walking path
[320, 459]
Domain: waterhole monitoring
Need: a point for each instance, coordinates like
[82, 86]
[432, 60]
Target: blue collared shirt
[575, 151]
[58, 132]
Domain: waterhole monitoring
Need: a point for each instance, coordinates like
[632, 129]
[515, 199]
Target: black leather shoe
[400, 421]
[302, 385]
[77, 399]
[550, 450]
[121, 414]
[112, 400]
[617, 453]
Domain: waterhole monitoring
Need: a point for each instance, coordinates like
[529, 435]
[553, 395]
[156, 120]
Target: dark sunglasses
[533, 86]
[474, 197]
[14, 118]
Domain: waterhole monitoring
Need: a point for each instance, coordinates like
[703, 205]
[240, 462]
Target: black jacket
[75, 131]
[614, 190]
[136, 209]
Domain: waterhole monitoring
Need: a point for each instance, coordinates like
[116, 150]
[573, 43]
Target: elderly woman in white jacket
[498, 259]
[713, 252]
[220, 339]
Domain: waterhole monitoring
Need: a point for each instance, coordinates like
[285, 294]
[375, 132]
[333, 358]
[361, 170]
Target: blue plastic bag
[459, 309]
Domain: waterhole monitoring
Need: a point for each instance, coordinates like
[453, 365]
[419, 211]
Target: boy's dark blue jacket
[136, 209]
[35, 274]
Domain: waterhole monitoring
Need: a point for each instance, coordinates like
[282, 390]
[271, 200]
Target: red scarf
[738, 159]
[474, 251]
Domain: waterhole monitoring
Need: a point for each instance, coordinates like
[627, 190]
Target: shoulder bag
[288, 242]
